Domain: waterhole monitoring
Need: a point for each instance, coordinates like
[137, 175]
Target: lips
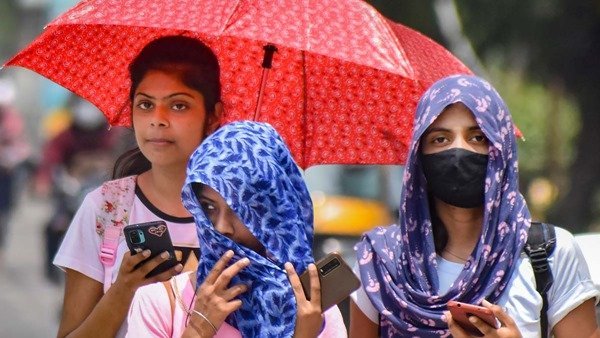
[159, 141]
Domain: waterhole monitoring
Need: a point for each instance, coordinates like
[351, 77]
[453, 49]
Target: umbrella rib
[228, 22]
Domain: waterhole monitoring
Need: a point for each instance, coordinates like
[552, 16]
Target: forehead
[455, 116]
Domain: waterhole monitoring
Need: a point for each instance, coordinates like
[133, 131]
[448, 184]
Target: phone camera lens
[136, 237]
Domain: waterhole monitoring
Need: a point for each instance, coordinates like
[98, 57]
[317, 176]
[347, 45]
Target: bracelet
[205, 318]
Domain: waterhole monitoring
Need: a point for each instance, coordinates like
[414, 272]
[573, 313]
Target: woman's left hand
[508, 328]
[308, 319]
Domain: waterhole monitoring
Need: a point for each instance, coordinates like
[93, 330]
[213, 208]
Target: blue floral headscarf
[250, 166]
[398, 263]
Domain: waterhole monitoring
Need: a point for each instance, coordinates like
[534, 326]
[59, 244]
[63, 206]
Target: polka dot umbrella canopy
[342, 88]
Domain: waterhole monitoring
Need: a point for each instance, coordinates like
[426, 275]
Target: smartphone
[462, 311]
[336, 277]
[153, 236]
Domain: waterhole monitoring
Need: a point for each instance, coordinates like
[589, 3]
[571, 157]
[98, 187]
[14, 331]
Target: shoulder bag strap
[113, 216]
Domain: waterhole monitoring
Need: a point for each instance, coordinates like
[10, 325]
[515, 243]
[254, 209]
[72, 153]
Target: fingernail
[178, 267]
[485, 302]
[146, 253]
[287, 265]
[245, 260]
[137, 250]
[229, 253]
[165, 255]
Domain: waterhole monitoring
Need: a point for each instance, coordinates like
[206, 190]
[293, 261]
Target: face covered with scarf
[249, 165]
[398, 263]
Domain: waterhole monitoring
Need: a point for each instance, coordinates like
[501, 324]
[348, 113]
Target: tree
[553, 42]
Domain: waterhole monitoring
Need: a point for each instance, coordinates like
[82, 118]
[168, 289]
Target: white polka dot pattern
[343, 88]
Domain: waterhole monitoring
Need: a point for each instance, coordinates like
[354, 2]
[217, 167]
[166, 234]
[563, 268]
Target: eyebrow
[434, 129]
[168, 96]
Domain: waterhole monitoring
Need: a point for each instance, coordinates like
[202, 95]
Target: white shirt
[572, 286]
[80, 249]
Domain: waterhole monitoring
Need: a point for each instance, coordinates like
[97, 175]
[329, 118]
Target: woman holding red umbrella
[175, 98]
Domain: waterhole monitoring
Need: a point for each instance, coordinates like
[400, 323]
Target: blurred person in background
[14, 151]
[74, 162]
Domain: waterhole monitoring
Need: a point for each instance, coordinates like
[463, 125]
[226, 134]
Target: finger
[234, 291]
[131, 261]
[294, 281]
[315, 285]
[149, 265]
[504, 318]
[225, 278]
[219, 267]
[482, 326]
[455, 329]
[166, 275]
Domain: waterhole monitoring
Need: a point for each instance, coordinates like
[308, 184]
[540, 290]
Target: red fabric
[343, 87]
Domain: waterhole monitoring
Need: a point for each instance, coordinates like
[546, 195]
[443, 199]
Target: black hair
[189, 59]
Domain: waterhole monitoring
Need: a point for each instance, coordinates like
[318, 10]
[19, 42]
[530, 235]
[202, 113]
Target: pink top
[150, 313]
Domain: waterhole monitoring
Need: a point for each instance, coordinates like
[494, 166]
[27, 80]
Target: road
[29, 304]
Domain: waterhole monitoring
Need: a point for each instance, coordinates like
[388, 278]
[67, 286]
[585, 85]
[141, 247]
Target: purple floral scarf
[398, 263]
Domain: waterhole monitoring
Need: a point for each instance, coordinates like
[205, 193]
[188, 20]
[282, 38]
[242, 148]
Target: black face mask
[456, 176]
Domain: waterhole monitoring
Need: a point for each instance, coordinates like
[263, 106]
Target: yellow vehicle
[348, 201]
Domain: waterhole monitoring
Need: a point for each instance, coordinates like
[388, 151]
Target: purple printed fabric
[398, 263]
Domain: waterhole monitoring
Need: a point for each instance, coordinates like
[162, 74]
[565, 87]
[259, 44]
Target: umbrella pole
[266, 65]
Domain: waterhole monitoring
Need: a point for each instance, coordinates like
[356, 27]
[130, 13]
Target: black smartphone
[337, 279]
[462, 311]
[153, 236]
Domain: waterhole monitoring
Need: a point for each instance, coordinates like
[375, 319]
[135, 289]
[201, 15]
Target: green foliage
[8, 24]
[548, 119]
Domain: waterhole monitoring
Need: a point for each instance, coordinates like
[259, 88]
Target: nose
[225, 227]
[460, 142]
[159, 117]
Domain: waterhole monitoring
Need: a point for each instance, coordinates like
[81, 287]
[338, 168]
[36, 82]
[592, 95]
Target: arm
[582, 320]
[86, 312]
[361, 325]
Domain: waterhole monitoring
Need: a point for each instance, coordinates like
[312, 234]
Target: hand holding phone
[462, 311]
[337, 279]
[153, 236]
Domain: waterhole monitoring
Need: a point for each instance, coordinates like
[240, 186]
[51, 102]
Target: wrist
[202, 327]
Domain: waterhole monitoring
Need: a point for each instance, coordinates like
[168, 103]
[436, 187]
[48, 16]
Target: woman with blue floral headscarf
[463, 224]
[251, 205]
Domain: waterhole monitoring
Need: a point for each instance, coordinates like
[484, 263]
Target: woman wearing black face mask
[463, 224]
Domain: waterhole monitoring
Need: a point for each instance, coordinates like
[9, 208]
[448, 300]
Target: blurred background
[541, 55]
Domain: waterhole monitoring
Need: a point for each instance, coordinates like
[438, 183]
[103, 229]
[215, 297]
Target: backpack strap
[541, 242]
[113, 216]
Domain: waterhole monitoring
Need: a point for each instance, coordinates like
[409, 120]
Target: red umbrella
[342, 88]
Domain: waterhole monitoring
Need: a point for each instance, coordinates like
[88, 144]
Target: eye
[479, 138]
[439, 139]
[208, 207]
[179, 106]
[144, 105]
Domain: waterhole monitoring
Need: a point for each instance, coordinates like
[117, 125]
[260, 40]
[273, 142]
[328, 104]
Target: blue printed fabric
[251, 167]
[398, 263]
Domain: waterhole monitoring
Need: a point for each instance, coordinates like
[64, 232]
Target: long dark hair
[196, 66]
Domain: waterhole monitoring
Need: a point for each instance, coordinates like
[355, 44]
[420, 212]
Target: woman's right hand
[132, 278]
[215, 300]
[508, 328]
